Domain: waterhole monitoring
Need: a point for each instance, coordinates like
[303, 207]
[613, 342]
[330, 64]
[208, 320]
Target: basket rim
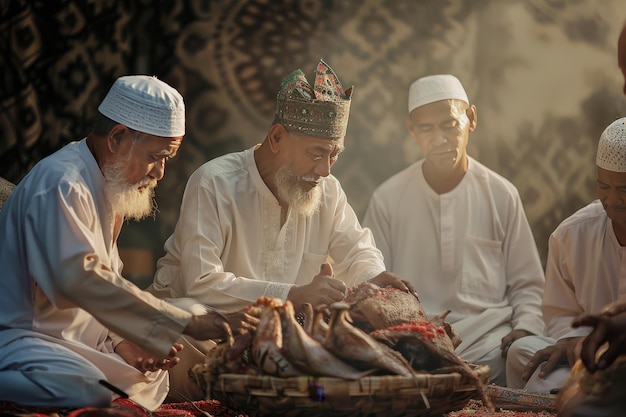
[257, 384]
[374, 396]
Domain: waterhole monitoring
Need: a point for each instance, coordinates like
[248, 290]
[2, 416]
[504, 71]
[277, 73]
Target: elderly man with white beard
[266, 221]
[63, 293]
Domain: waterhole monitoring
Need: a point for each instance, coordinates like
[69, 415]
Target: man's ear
[115, 136]
[472, 115]
[409, 125]
[276, 134]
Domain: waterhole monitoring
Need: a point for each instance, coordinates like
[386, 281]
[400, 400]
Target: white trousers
[520, 353]
[38, 373]
[485, 350]
[42, 371]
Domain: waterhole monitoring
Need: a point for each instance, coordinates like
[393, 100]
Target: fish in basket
[374, 354]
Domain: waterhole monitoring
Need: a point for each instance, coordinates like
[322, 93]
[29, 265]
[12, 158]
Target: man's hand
[615, 308]
[323, 289]
[385, 279]
[216, 325]
[510, 338]
[564, 351]
[143, 360]
[606, 328]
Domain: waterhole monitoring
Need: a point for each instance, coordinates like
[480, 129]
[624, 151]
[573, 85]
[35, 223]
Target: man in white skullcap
[584, 272]
[265, 221]
[62, 290]
[610, 325]
[458, 232]
[603, 350]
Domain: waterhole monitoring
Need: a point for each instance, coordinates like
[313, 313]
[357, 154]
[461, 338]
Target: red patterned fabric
[9, 408]
[124, 408]
[213, 407]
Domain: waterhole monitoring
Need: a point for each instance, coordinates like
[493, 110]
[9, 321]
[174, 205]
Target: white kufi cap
[612, 147]
[145, 104]
[433, 88]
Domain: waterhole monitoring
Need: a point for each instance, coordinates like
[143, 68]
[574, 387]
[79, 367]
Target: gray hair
[101, 125]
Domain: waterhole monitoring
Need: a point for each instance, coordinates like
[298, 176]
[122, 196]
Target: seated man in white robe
[458, 232]
[265, 221]
[62, 289]
[585, 271]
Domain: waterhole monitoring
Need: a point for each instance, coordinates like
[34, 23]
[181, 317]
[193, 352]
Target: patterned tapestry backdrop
[543, 74]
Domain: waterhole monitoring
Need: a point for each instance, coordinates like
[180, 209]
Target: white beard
[289, 189]
[129, 200]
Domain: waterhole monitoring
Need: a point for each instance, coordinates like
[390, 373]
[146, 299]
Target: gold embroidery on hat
[320, 111]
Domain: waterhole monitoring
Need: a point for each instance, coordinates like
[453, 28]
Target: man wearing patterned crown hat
[458, 230]
[265, 221]
[63, 293]
[584, 272]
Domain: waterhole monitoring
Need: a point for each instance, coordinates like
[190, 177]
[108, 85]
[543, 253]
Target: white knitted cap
[433, 88]
[145, 104]
[612, 147]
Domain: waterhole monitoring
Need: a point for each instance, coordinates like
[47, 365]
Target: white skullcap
[145, 104]
[433, 88]
[612, 147]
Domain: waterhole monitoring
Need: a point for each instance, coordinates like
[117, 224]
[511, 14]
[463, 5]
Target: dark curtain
[57, 60]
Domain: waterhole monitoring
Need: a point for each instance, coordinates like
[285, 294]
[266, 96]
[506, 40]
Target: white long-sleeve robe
[585, 271]
[469, 250]
[228, 248]
[61, 275]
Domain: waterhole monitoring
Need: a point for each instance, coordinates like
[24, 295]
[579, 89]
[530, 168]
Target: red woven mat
[124, 408]
[475, 409]
[127, 408]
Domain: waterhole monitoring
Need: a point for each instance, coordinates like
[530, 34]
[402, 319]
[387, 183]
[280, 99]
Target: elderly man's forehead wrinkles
[168, 152]
[328, 145]
[457, 108]
[164, 153]
[614, 178]
[431, 121]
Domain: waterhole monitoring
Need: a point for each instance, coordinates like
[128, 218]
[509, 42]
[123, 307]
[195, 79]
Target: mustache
[312, 178]
[146, 182]
[443, 149]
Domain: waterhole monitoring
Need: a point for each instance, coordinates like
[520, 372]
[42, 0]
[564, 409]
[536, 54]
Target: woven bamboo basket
[384, 396]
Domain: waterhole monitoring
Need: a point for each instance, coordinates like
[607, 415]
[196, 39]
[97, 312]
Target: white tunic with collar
[469, 250]
[586, 270]
[61, 275]
[228, 247]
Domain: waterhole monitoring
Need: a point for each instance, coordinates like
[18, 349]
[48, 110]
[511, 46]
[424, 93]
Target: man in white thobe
[586, 271]
[63, 291]
[266, 221]
[457, 231]
[609, 325]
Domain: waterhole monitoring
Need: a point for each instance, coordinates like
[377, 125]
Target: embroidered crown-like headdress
[321, 110]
